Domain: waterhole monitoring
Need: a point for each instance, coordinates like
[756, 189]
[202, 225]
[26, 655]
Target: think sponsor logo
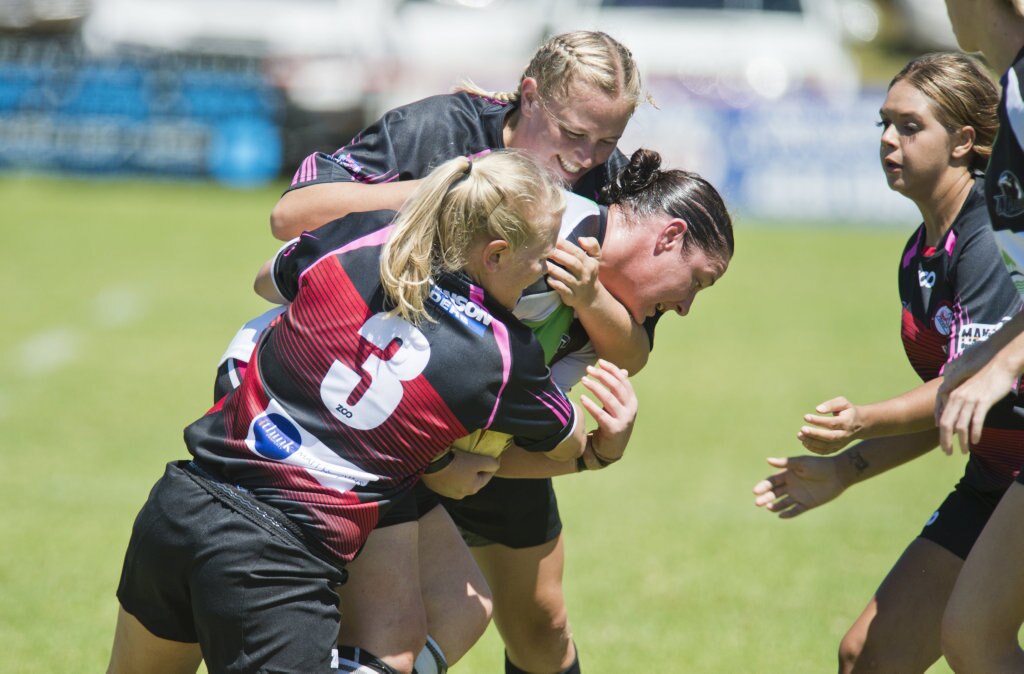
[275, 437]
[467, 312]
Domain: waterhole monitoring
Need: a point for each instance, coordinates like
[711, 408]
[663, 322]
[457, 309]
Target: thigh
[136, 649]
[455, 593]
[381, 604]
[899, 631]
[988, 600]
[526, 582]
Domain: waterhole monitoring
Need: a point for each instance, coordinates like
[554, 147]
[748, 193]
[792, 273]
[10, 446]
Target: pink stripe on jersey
[306, 171]
[950, 243]
[913, 250]
[476, 295]
[559, 406]
[372, 239]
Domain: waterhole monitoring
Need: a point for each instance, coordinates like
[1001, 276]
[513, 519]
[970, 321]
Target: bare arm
[574, 276]
[839, 422]
[969, 393]
[307, 208]
[806, 482]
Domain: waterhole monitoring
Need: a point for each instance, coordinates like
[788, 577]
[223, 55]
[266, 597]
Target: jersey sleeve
[533, 409]
[405, 144]
[986, 296]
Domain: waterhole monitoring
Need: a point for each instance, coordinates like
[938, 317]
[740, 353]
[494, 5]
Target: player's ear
[529, 97]
[672, 234]
[963, 142]
[495, 254]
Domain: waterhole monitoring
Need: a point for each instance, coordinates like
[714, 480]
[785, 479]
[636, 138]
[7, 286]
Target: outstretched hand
[616, 412]
[835, 426]
[802, 483]
[573, 269]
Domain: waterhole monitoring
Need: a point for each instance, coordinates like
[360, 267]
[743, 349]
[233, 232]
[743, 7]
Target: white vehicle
[734, 52]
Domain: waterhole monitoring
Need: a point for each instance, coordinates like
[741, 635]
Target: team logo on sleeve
[1010, 200]
[274, 435]
[467, 312]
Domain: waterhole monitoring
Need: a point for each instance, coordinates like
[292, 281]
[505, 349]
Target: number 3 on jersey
[384, 393]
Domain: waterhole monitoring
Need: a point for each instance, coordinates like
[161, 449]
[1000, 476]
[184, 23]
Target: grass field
[122, 295]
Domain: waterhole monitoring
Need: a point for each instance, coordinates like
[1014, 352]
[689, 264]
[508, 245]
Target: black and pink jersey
[410, 141]
[1005, 188]
[954, 295]
[343, 406]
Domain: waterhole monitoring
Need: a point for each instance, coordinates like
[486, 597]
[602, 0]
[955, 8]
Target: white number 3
[384, 393]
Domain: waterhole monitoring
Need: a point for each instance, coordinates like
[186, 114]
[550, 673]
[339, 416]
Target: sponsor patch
[274, 435]
[972, 333]
[467, 312]
[943, 320]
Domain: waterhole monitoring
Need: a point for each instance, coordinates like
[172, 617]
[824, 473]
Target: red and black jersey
[343, 406]
[410, 141]
[954, 295]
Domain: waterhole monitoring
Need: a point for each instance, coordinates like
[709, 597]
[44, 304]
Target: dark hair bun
[642, 171]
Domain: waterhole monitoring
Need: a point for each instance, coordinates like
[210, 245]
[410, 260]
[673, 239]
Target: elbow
[283, 221]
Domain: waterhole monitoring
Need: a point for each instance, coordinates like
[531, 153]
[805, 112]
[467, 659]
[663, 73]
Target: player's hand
[960, 410]
[802, 483]
[572, 271]
[615, 409]
[465, 475]
[836, 425]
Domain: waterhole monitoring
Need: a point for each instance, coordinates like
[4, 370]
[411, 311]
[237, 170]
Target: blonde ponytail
[504, 195]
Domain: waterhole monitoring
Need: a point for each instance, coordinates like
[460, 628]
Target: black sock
[574, 668]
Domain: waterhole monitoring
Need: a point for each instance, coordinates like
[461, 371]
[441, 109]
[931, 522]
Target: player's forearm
[616, 338]
[1009, 338]
[310, 207]
[910, 412]
[519, 463]
[873, 457]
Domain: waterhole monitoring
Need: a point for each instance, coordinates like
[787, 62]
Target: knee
[850, 649]
[964, 651]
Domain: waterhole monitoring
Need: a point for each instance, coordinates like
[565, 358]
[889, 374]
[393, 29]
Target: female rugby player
[398, 339]
[938, 124]
[986, 609]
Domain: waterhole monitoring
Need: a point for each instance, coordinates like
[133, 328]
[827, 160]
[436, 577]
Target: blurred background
[772, 100]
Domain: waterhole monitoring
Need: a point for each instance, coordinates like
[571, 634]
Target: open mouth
[569, 167]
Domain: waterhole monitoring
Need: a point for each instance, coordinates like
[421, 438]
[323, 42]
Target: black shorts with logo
[519, 513]
[958, 522]
[210, 566]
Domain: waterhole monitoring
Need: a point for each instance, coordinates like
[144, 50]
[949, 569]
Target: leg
[456, 596]
[381, 604]
[986, 609]
[136, 649]
[899, 629]
[529, 606]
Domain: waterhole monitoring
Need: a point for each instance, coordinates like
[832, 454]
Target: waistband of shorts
[265, 516]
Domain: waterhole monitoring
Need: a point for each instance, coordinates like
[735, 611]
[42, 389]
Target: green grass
[120, 297]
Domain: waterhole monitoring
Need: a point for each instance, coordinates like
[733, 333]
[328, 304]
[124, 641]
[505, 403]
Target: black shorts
[958, 522]
[202, 568]
[410, 506]
[513, 512]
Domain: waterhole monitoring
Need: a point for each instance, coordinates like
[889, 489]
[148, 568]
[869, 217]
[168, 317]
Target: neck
[1004, 42]
[508, 130]
[940, 209]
